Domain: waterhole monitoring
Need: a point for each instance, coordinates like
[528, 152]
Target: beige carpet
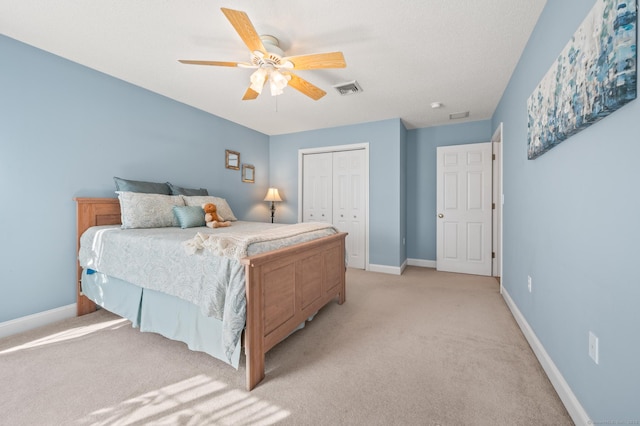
[424, 348]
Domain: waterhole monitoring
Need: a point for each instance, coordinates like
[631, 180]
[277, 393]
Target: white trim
[568, 398]
[423, 263]
[30, 322]
[499, 133]
[392, 270]
[319, 150]
[352, 147]
[404, 266]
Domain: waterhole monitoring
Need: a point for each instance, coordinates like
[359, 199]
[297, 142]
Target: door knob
[440, 215]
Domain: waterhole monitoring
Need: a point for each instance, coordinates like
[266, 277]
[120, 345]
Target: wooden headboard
[92, 212]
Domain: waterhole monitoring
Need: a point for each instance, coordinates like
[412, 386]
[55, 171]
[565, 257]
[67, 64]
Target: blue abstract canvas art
[595, 74]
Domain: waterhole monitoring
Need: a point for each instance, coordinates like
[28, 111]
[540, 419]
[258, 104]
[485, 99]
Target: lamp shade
[272, 195]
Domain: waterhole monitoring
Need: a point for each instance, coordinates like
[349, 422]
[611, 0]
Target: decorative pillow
[189, 216]
[224, 211]
[128, 185]
[176, 190]
[139, 210]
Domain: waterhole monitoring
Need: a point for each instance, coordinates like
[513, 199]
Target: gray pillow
[176, 190]
[189, 216]
[127, 185]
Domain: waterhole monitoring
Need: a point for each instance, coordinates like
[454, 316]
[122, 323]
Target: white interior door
[349, 211]
[317, 189]
[464, 198]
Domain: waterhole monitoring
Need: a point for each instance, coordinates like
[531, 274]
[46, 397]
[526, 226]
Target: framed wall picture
[232, 160]
[248, 173]
[594, 75]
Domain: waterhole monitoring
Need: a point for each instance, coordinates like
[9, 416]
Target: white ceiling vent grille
[350, 88]
[458, 115]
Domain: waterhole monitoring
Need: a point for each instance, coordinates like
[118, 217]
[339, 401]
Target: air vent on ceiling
[458, 115]
[350, 88]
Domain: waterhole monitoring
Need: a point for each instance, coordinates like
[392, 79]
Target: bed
[282, 287]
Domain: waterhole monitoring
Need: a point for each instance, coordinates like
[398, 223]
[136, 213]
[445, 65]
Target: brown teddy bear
[211, 217]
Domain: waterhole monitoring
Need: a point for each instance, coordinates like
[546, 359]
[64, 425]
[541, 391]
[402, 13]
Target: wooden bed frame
[284, 287]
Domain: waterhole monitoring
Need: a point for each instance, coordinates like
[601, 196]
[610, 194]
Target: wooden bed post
[254, 342]
[92, 212]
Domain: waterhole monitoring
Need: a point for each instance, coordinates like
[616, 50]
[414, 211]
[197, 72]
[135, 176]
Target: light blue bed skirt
[159, 313]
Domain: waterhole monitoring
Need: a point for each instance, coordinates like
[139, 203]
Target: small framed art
[232, 160]
[248, 173]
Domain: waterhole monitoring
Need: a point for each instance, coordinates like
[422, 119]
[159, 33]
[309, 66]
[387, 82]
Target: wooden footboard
[284, 287]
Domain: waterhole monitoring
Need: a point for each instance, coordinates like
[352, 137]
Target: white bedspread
[236, 245]
[156, 259]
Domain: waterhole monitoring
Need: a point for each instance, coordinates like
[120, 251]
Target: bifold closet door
[317, 188]
[349, 210]
[333, 191]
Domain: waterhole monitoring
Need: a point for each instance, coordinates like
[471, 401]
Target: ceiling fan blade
[317, 61]
[250, 94]
[214, 63]
[306, 88]
[245, 29]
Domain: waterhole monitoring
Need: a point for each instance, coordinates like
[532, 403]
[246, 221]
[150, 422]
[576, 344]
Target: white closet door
[349, 210]
[317, 197]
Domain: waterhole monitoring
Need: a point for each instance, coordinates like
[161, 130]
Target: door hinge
[493, 254]
[493, 206]
[493, 156]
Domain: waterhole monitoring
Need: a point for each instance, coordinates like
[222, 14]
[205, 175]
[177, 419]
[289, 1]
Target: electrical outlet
[529, 283]
[593, 347]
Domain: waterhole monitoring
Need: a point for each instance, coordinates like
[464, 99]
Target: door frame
[498, 173]
[351, 147]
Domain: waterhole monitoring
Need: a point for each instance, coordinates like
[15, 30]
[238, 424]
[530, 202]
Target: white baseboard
[398, 270]
[568, 398]
[30, 322]
[393, 270]
[422, 263]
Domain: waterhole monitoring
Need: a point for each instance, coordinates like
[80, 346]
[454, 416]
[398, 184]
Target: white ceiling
[405, 54]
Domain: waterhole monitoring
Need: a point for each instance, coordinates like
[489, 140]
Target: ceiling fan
[270, 63]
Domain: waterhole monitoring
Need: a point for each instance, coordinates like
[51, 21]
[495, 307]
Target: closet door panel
[317, 191]
[349, 202]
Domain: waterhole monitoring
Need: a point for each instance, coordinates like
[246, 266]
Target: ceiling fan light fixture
[267, 58]
[278, 82]
[257, 80]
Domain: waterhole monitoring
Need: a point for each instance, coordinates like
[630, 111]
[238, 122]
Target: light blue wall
[421, 179]
[65, 131]
[384, 138]
[571, 223]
